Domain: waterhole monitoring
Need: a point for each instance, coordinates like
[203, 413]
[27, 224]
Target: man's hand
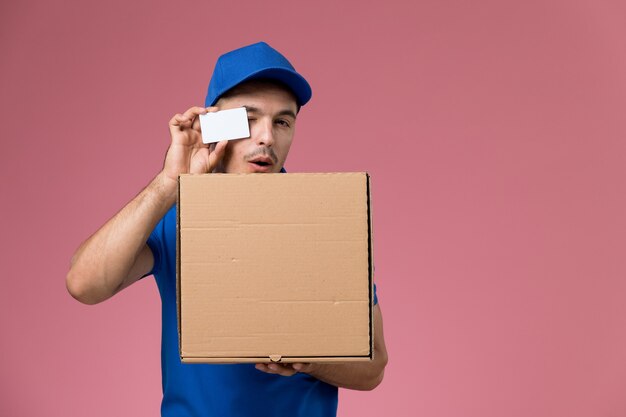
[187, 153]
[117, 255]
[358, 375]
[285, 369]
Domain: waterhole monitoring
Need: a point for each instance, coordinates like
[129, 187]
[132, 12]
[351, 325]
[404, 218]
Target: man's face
[272, 117]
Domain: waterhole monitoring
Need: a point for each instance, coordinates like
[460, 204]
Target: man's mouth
[262, 161]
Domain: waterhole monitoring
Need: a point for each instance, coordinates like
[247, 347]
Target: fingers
[283, 369]
[187, 150]
[187, 118]
[302, 367]
[195, 111]
[178, 120]
[216, 154]
[219, 148]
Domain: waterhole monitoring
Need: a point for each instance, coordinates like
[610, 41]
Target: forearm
[353, 375]
[105, 260]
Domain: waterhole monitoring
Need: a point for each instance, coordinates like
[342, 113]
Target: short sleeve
[157, 244]
[375, 296]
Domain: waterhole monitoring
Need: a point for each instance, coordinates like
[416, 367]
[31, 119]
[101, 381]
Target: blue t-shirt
[201, 390]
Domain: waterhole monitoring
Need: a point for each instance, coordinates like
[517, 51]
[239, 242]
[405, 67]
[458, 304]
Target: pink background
[495, 135]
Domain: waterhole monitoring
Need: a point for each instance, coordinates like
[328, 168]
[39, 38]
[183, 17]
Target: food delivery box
[274, 268]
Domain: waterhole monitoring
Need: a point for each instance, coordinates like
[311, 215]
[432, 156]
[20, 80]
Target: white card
[224, 125]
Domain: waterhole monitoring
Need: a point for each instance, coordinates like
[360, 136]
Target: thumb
[216, 154]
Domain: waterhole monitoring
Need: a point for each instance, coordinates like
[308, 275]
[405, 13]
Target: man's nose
[263, 133]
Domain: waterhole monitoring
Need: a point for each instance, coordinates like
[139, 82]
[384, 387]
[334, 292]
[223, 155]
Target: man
[140, 241]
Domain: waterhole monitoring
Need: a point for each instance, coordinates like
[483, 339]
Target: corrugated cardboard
[274, 267]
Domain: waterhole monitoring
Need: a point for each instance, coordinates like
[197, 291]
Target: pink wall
[495, 133]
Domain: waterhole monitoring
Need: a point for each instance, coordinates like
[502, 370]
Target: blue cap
[251, 62]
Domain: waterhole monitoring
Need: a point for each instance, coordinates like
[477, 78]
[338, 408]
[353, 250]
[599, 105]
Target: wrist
[164, 190]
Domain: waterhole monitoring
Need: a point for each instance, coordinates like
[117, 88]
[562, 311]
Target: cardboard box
[274, 267]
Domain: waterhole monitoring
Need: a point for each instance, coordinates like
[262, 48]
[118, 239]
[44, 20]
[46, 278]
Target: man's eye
[282, 122]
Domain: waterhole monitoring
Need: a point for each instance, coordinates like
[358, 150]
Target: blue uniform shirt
[202, 390]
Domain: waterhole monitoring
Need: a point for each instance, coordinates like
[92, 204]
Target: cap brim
[296, 83]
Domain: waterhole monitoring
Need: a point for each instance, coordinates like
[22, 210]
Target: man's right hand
[187, 153]
[117, 254]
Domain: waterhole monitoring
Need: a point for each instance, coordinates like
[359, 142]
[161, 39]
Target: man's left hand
[285, 369]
